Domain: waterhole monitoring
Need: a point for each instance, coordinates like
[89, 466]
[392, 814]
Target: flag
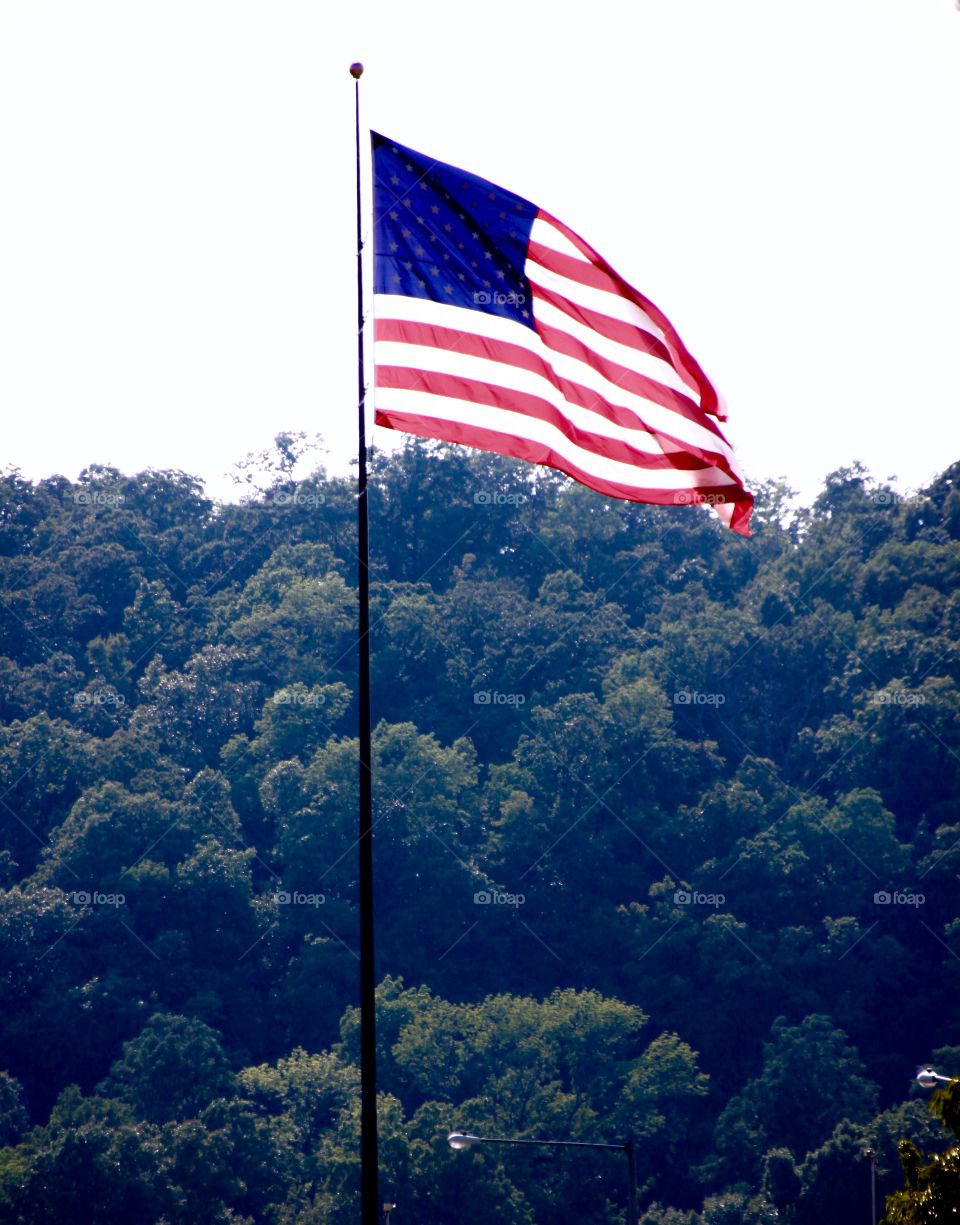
[496, 326]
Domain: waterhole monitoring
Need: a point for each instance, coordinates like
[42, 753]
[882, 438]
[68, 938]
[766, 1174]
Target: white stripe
[457, 318]
[512, 378]
[547, 235]
[647, 364]
[519, 425]
[478, 323]
[614, 305]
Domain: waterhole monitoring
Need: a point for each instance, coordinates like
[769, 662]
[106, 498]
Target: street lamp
[461, 1140]
[927, 1078]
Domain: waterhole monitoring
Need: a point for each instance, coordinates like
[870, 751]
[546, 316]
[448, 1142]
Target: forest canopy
[667, 839]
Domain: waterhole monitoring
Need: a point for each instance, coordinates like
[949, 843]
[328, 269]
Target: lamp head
[461, 1140]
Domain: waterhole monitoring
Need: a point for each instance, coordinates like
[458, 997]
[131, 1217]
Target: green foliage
[666, 841]
[932, 1190]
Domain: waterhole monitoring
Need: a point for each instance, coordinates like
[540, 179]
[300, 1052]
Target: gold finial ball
[356, 71]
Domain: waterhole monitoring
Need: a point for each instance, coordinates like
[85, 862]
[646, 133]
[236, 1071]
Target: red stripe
[539, 453]
[455, 341]
[614, 329]
[443, 385]
[622, 376]
[590, 274]
[683, 360]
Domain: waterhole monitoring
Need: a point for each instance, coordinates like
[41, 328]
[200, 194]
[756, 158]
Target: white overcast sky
[177, 269]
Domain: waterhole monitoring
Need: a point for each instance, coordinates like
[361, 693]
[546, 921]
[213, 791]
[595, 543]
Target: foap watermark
[488, 497]
[495, 297]
[691, 897]
[898, 697]
[99, 697]
[695, 497]
[292, 697]
[88, 898]
[495, 897]
[298, 498]
[890, 497]
[294, 897]
[98, 497]
[492, 697]
[885, 897]
[691, 697]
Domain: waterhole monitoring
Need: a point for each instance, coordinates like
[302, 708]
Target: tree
[932, 1191]
[171, 1071]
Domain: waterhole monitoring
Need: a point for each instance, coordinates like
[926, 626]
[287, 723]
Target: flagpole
[369, 1182]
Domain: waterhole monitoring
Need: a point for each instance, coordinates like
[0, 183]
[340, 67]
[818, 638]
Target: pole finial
[356, 71]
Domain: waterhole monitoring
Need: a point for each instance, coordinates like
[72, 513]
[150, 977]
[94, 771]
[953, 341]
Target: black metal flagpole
[369, 1181]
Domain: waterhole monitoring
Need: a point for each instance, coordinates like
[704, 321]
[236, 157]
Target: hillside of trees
[667, 845]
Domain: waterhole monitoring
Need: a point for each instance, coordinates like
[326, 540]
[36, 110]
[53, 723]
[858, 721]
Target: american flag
[498, 327]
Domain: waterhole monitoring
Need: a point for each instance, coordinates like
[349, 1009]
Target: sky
[177, 226]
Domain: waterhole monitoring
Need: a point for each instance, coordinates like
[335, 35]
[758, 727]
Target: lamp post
[461, 1140]
[871, 1156]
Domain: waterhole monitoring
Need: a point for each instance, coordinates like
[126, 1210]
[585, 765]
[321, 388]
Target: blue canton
[448, 236]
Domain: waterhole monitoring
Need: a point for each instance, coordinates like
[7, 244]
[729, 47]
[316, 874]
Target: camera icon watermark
[886, 897]
[493, 297]
[493, 697]
[899, 697]
[284, 897]
[89, 898]
[487, 497]
[691, 697]
[690, 897]
[890, 497]
[695, 497]
[293, 697]
[297, 498]
[99, 697]
[97, 497]
[494, 897]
